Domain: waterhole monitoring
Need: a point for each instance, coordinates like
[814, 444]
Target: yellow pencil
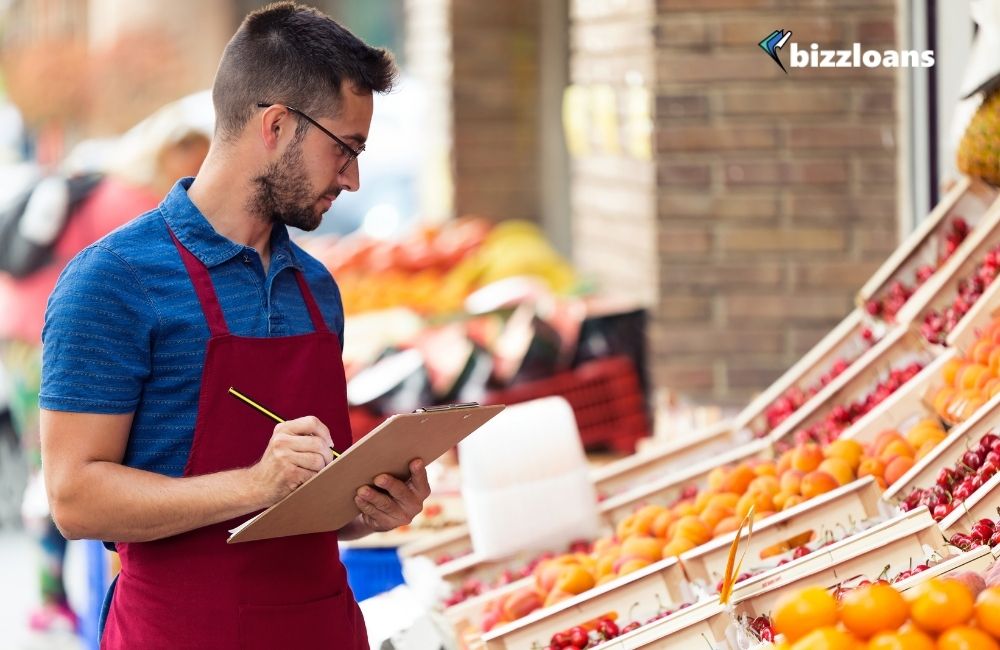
[237, 394]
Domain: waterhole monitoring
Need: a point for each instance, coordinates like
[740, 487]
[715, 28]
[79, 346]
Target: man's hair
[296, 55]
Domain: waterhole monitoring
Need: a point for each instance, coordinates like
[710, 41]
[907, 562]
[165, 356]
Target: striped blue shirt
[124, 331]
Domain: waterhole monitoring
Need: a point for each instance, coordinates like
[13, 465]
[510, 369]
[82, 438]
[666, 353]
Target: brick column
[776, 192]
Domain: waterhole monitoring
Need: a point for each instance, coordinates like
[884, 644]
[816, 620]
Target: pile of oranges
[940, 614]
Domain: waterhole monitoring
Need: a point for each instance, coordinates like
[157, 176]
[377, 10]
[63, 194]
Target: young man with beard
[148, 329]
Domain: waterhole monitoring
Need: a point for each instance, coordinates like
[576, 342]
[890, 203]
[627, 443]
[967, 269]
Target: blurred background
[623, 202]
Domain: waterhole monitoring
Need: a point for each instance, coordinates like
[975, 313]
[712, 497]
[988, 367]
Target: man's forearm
[112, 502]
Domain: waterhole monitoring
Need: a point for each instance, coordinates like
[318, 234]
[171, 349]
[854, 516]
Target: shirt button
[246, 258]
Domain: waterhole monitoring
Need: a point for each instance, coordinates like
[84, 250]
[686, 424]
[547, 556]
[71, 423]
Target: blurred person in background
[57, 217]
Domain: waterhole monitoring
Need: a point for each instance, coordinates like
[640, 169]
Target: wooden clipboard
[326, 501]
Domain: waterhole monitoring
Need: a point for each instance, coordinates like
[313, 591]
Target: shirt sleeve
[97, 338]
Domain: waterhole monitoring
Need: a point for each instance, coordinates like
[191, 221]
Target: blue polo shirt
[124, 331]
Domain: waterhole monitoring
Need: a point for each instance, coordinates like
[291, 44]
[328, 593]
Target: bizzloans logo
[852, 58]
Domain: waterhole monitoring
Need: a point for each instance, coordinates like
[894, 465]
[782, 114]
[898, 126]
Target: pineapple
[979, 151]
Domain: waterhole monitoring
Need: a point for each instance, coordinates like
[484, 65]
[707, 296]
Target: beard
[283, 195]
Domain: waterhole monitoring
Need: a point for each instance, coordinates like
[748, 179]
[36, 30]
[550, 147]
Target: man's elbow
[67, 514]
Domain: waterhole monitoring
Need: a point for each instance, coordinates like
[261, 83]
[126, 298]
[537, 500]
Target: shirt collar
[197, 235]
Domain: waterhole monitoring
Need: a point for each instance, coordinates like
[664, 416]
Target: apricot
[755, 499]
[793, 501]
[633, 564]
[849, 450]
[980, 352]
[807, 457]
[766, 468]
[973, 375]
[926, 448]
[896, 468]
[648, 548]
[714, 514]
[727, 525]
[884, 439]
[950, 370]
[768, 485]
[838, 469]
[727, 499]
[716, 477]
[871, 467]
[738, 479]
[677, 546]
[785, 461]
[942, 400]
[659, 526]
[575, 580]
[791, 481]
[817, 483]
[896, 448]
[691, 528]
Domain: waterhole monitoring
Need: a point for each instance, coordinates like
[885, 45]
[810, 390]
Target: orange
[848, 450]
[839, 469]
[791, 481]
[939, 604]
[797, 614]
[826, 638]
[817, 483]
[964, 637]
[876, 608]
[988, 610]
[896, 468]
[909, 639]
[738, 479]
[806, 458]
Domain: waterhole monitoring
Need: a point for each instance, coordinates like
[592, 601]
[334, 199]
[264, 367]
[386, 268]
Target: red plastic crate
[605, 396]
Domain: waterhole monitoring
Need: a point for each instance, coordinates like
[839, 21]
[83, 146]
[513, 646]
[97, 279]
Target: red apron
[195, 591]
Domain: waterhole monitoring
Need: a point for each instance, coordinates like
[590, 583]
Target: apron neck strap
[314, 313]
[204, 288]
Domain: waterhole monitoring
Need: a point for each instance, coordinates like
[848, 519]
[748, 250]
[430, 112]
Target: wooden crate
[947, 454]
[898, 543]
[466, 618]
[904, 408]
[701, 626]
[658, 583]
[966, 333]
[452, 543]
[843, 342]
[898, 348]
[851, 503]
[969, 199]
[667, 489]
[939, 292]
[978, 559]
[662, 460]
[983, 504]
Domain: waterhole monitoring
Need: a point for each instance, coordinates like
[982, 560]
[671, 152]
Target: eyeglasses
[347, 150]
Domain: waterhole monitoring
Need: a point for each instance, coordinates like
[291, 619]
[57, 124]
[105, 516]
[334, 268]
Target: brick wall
[613, 196]
[777, 192]
[495, 94]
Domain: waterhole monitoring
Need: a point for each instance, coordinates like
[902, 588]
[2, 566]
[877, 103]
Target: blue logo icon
[775, 42]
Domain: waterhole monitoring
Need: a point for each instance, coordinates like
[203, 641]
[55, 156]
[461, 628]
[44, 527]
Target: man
[149, 328]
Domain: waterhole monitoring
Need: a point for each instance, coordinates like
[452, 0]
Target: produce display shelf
[948, 453]
[668, 488]
[466, 619]
[843, 342]
[939, 292]
[909, 404]
[977, 560]
[897, 544]
[806, 522]
[702, 625]
[983, 504]
[985, 310]
[453, 542]
[636, 469]
[898, 348]
[658, 583]
[969, 199]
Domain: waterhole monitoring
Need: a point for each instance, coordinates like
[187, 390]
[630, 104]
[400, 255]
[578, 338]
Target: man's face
[299, 187]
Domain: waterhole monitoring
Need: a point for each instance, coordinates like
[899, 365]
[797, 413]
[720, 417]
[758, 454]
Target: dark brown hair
[296, 55]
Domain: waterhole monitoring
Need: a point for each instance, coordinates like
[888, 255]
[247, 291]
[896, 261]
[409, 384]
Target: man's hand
[398, 503]
[298, 449]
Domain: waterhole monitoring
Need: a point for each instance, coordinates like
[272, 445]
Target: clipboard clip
[448, 407]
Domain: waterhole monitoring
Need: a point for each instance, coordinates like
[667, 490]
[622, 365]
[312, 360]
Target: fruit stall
[856, 500]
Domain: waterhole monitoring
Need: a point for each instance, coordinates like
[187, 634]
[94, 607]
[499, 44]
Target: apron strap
[314, 313]
[204, 288]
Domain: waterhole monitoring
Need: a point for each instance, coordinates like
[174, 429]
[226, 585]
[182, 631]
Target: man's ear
[275, 121]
